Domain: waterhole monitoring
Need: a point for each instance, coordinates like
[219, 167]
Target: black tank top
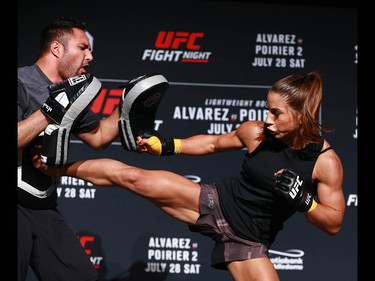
[248, 201]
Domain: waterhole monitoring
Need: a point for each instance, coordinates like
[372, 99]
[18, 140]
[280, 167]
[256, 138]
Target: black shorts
[48, 244]
[228, 246]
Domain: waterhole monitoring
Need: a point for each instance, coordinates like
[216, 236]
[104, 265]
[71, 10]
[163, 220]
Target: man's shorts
[228, 246]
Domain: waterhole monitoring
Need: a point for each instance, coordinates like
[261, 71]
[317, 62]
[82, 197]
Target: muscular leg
[259, 269]
[174, 194]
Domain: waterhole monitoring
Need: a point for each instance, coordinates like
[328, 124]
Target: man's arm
[104, 134]
[29, 128]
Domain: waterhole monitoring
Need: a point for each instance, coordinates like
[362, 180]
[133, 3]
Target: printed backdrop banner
[219, 58]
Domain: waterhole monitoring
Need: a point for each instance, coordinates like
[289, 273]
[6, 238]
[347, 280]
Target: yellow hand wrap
[154, 145]
[177, 146]
[313, 206]
[165, 147]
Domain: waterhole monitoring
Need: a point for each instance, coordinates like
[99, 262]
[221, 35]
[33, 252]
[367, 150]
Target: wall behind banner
[220, 58]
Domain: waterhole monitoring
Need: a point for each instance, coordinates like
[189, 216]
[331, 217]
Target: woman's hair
[304, 95]
[59, 30]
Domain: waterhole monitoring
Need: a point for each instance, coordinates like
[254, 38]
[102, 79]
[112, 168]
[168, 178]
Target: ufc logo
[308, 198]
[211, 203]
[47, 107]
[106, 101]
[297, 184]
[76, 79]
[83, 240]
[173, 40]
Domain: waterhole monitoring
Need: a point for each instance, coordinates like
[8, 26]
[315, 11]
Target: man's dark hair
[57, 30]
